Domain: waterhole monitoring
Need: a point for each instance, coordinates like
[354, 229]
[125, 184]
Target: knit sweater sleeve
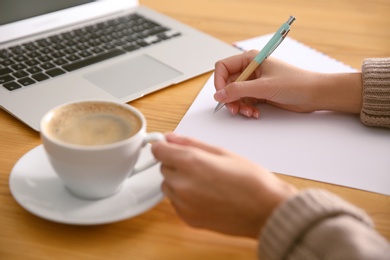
[316, 224]
[376, 92]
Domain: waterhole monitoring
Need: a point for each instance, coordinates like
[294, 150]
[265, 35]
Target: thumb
[186, 141]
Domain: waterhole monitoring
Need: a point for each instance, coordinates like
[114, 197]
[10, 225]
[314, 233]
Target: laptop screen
[17, 10]
[22, 18]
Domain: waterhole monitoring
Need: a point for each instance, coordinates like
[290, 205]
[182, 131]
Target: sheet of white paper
[324, 146]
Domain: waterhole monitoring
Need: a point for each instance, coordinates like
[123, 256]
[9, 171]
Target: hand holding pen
[273, 43]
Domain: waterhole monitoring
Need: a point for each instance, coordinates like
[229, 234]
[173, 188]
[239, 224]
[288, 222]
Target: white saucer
[36, 187]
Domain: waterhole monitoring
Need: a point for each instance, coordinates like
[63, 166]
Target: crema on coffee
[93, 124]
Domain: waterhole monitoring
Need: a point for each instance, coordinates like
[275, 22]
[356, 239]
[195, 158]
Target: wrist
[277, 194]
[340, 92]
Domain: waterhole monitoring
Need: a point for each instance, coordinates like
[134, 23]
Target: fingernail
[231, 110]
[220, 95]
[171, 136]
[245, 112]
[256, 114]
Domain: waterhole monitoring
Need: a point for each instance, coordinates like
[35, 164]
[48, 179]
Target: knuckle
[252, 53]
[218, 63]
[233, 90]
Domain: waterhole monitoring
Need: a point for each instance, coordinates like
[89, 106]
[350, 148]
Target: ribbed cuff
[376, 92]
[290, 221]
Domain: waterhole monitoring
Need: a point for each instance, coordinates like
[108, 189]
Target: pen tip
[218, 107]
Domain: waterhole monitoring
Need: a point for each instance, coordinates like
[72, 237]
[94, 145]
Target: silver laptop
[52, 52]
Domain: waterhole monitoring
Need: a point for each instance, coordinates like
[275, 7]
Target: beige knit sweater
[316, 224]
[376, 92]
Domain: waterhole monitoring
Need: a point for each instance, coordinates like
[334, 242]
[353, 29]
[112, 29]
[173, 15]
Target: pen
[272, 44]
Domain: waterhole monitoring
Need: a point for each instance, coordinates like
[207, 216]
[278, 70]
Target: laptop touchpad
[132, 76]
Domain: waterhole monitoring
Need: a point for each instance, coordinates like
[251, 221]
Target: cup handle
[150, 137]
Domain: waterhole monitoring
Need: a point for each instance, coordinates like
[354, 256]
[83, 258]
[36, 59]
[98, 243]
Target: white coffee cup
[94, 145]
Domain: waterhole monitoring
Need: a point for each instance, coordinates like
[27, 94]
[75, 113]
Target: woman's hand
[214, 189]
[285, 86]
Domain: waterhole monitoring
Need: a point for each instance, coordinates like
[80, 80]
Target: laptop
[53, 52]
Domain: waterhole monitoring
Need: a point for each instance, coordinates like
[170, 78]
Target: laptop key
[55, 72]
[18, 66]
[142, 43]
[5, 54]
[20, 58]
[40, 77]
[152, 39]
[131, 47]
[97, 50]
[20, 74]
[7, 62]
[30, 46]
[46, 50]
[5, 71]
[6, 78]
[72, 57]
[93, 60]
[84, 54]
[32, 62]
[47, 66]
[12, 86]
[16, 50]
[44, 59]
[60, 61]
[26, 81]
[34, 70]
[33, 54]
[57, 54]
[43, 42]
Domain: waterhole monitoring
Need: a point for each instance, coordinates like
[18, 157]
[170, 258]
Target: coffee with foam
[90, 124]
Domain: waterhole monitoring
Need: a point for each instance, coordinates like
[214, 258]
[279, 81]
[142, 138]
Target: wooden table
[348, 30]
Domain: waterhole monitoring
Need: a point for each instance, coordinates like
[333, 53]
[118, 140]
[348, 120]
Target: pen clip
[284, 34]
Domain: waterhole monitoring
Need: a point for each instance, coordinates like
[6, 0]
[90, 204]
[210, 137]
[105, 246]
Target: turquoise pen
[272, 44]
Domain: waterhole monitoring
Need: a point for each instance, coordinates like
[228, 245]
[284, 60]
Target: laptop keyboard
[39, 60]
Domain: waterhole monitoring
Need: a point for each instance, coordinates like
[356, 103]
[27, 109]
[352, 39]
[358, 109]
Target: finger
[249, 111]
[175, 155]
[252, 88]
[233, 107]
[180, 206]
[237, 63]
[231, 67]
[167, 170]
[165, 152]
[245, 106]
[191, 142]
[238, 90]
[167, 190]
